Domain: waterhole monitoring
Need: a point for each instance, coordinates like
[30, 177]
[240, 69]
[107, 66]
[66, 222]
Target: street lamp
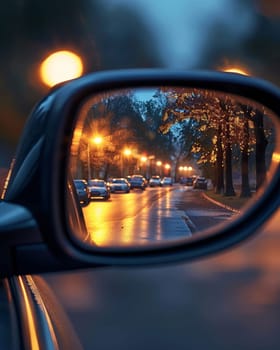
[97, 140]
[186, 169]
[159, 164]
[144, 159]
[60, 66]
[127, 153]
[144, 165]
[167, 168]
[189, 169]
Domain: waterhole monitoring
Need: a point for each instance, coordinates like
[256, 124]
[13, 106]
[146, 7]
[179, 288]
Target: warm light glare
[235, 70]
[60, 66]
[144, 159]
[97, 140]
[127, 152]
[185, 168]
[276, 157]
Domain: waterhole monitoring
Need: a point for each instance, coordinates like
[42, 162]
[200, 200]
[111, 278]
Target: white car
[155, 181]
[119, 185]
[166, 181]
[98, 189]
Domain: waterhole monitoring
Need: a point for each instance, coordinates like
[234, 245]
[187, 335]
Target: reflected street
[155, 214]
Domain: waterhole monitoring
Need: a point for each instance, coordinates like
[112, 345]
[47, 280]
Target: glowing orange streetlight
[97, 140]
[144, 159]
[167, 166]
[60, 66]
[125, 164]
[127, 152]
[186, 168]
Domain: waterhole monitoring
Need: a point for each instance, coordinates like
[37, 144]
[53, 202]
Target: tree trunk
[229, 190]
[245, 184]
[219, 182]
[261, 144]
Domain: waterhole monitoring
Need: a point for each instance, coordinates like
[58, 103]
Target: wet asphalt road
[154, 215]
[227, 301]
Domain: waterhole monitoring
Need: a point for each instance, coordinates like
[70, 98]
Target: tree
[228, 114]
[245, 149]
[261, 144]
[224, 122]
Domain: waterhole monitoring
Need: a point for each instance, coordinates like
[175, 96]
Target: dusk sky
[181, 26]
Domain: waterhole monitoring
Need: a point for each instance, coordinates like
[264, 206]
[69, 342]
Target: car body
[166, 181]
[119, 185]
[200, 182]
[183, 180]
[82, 191]
[189, 181]
[137, 182]
[98, 189]
[155, 181]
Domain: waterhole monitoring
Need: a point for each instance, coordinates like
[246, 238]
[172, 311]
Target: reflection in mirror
[167, 163]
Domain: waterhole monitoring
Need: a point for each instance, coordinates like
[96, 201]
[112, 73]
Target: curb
[221, 204]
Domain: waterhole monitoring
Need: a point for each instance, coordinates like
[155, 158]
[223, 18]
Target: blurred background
[223, 302]
[113, 34]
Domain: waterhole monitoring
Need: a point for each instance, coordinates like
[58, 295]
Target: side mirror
[176, 165]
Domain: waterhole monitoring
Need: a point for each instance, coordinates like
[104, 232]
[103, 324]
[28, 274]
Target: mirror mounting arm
[22, 250]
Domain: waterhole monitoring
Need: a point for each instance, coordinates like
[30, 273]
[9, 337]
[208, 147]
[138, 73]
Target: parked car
[137, 182]
[200, 182]
[82, 191]
[189, 181]
[155, 181]
[98, 189]
[119, 185]
[166, 181]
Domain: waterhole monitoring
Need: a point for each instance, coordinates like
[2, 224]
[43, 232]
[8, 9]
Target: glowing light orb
[60, 66]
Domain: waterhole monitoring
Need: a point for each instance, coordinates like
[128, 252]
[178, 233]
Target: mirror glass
[165, 163]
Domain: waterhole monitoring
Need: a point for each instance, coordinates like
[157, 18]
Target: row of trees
[230, 141]
[228, 132]
[121, 123]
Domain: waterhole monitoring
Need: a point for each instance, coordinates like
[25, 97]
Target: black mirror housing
[40, 182]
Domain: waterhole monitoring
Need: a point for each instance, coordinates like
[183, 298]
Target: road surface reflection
[152, 216]
[136, 218]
